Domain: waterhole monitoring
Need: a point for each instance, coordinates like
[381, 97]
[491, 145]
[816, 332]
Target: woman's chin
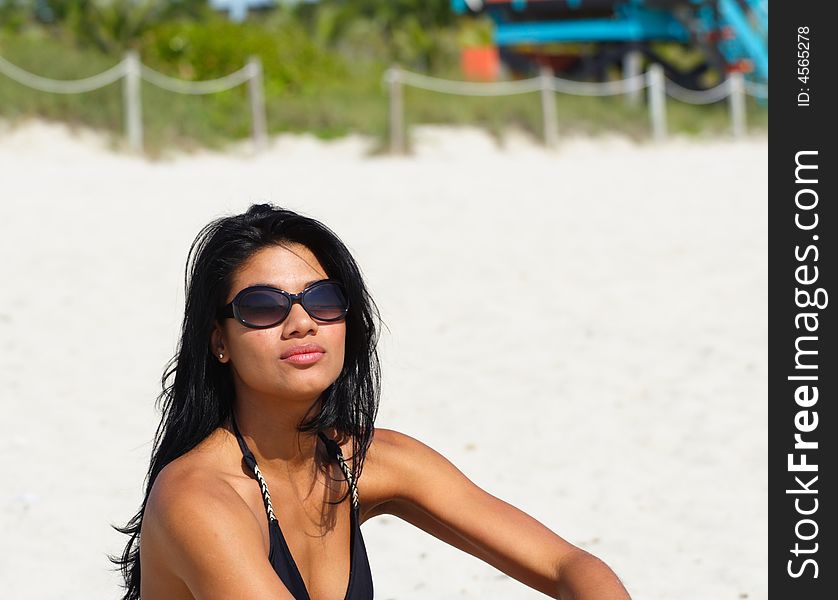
[307, 388]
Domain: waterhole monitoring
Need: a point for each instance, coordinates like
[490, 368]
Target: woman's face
[257, 356]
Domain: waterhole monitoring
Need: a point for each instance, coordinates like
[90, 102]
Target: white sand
[610, 380]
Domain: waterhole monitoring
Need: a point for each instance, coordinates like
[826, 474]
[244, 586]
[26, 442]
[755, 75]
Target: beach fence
[657, 87]
[132, 73]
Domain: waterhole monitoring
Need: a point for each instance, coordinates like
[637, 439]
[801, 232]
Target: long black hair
[198, 394]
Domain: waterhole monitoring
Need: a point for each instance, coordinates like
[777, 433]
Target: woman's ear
[217, 347]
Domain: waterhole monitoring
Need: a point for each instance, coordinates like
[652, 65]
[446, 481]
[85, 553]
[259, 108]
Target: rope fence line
[463, 88]
[521, 86]
[197, 88]
[757, 90]
[635, 83]
[55, 86]
[657, 87]
[709, 96]
[132, 72]
[568, 86]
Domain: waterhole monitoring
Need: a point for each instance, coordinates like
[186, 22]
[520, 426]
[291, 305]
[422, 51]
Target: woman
[266, 460]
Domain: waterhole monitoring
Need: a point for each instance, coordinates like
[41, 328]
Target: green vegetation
[323, 69]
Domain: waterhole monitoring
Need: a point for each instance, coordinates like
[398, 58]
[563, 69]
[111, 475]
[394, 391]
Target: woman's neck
[269, 429]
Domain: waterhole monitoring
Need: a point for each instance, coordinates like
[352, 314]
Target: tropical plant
[112, 25]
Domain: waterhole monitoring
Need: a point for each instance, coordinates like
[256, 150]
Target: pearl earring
[220, 355]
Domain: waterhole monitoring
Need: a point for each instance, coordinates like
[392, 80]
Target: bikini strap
[335, 450]
[250, 460]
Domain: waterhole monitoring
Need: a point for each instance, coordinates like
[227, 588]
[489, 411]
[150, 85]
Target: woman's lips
[304, 358]
[304, 354]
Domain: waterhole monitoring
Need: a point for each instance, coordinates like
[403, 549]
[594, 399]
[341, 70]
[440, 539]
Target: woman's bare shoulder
[203, 471]
[198, 532]
[389, 454]
[191, 485]
[390, 445]
[385, 446]
[194, 512]
[188, 477]
[198, 485]
[382, 440]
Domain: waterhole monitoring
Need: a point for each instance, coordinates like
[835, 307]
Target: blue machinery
[732, 33]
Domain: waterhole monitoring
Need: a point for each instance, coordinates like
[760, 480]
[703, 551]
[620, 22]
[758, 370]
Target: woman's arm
[419, 485]
[207, 537]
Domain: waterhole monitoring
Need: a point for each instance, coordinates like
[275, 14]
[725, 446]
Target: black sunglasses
[263, 306]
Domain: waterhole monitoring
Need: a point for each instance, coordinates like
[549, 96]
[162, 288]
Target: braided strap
[263, 485]
[266, 495]
[348, 474]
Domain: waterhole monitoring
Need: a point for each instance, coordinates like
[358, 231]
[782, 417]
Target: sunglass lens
[326, 302]
[263, 308]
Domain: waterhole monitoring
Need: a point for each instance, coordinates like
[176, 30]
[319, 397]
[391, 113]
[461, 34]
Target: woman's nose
[299, 322]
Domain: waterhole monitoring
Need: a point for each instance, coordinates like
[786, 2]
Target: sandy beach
[582, 331]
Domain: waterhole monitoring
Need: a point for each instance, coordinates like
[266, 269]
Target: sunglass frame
[231, 310]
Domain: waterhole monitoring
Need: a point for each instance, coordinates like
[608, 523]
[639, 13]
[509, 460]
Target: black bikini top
[360, 577]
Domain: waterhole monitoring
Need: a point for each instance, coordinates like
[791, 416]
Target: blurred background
[324, 63]
[592, 172]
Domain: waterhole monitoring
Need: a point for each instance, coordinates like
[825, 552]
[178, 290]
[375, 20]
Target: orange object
[480, 63]
[743, 65]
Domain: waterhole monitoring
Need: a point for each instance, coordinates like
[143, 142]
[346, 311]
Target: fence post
[548, 107]
[632, 61]
[132, 101]
[396, 110]
[256, 93]
[736, 98]
[657, 101]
